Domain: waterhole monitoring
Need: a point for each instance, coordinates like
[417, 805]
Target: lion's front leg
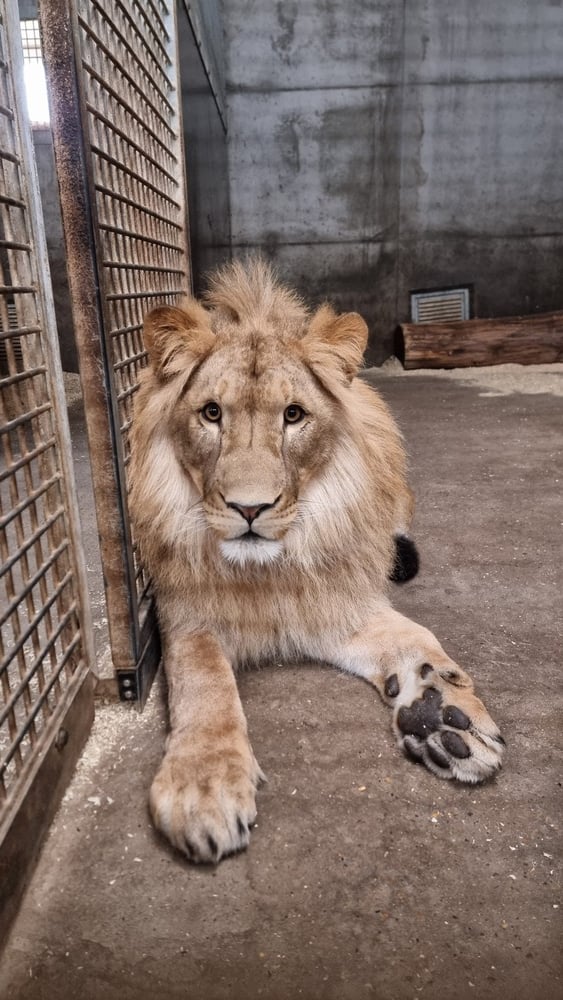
[437, 718]
[203, 796]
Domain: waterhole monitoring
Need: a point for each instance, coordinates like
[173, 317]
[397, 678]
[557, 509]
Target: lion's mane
[338, 552]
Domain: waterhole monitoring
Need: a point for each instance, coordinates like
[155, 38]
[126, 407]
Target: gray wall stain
[287, 137]
[282, 42]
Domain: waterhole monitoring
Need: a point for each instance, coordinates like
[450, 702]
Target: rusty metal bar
[21, 332]
[136, 176]
[28, 457]
[10, 245]
[120, 296]
[37, 411]
[21, 376]
[120, 231]
[133, 28]
[12, 202]
[45, 608]
[140, 356]
[30, 542]
[40, 701]
[120, 5]
[120, 197]
[123, 72]
[147, 130]
[28, 500]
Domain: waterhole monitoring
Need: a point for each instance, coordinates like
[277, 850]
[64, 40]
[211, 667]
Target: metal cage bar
[118, 138]
[46, 703]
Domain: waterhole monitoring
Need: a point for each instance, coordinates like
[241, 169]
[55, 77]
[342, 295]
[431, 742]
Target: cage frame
[134, 637]
[30, 802]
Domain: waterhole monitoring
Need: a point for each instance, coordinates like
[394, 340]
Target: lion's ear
[177, 338]
[336, 341]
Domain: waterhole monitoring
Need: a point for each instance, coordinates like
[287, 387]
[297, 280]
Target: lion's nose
[250, 511]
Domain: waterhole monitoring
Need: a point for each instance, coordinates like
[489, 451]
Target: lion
[268, 492]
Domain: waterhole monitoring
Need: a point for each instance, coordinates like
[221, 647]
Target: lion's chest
[285, 618]
[252, 622]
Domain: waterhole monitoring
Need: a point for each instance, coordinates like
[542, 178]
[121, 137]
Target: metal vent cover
[16, 344]
[441, 305]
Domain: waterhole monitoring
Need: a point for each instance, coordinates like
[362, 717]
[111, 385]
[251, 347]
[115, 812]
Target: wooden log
[523, 340]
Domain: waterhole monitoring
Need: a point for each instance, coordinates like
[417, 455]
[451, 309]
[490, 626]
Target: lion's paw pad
[452, 742]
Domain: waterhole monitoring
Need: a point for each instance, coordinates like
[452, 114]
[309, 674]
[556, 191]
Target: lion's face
[252, 419]
[252, 431]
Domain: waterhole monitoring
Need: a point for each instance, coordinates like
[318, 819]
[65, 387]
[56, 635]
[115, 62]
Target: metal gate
[118, 139]
[46, 702]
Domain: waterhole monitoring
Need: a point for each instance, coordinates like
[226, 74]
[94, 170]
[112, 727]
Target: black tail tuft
[406, 563]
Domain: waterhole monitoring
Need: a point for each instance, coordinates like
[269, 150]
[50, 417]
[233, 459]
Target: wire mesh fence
[42, 643]
[133, 128]
[123, 54]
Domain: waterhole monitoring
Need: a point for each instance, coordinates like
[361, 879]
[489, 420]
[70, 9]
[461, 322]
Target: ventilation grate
[440, 305]
[15, 341]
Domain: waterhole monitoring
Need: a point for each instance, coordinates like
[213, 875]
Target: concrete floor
[366, 875]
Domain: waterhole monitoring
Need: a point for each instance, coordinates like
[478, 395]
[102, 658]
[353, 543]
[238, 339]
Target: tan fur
[326, 496]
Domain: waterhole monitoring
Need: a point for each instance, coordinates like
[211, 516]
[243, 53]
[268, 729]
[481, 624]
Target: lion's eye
[293, 413]
[212, 412]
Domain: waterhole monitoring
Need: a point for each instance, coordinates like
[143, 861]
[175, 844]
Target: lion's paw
[441, 723]
[206, 807]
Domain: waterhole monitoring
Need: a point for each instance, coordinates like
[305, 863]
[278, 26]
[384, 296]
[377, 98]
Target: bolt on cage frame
[112, 70]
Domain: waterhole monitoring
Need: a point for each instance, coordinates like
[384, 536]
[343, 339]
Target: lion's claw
[206, 813]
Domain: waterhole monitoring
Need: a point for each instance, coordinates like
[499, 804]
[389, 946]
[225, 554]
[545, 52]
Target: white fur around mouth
[243, 552]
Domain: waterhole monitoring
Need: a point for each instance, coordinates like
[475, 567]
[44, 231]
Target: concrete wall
[205, 138]
[378, 147]
[45, 159]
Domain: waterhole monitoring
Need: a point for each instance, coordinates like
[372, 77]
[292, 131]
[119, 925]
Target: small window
[34, 73]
